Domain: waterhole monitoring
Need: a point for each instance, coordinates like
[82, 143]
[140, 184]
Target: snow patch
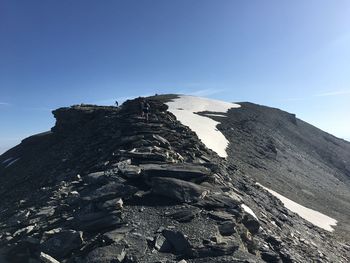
[314, 217]
[185, 107]
[249, 210]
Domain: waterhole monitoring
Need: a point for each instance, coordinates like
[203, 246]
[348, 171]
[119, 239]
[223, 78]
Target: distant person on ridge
[145, 107]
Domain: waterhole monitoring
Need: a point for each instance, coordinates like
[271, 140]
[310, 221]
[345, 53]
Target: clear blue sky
[294, 55]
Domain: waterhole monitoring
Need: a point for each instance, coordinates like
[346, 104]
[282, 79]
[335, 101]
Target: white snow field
[314, 217]
[185, 107]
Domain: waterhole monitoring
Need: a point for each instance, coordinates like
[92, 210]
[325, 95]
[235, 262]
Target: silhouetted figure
[145, 108]
[116, 103]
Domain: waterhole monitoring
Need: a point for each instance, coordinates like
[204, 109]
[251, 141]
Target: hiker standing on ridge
[145, 107]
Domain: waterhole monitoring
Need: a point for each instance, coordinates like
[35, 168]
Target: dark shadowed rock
[21, 252]
[178, 241]
[218, 201]
[108, 254]
[94, 222]
[110, 191]
[184, 215]
[216, 250]
[251, 223]
[221, 215]
[162, 244]
[110, 205]
[61, 243]
[270, 256]
[227, 228]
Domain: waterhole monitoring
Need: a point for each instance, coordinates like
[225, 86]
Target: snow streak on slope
[314, 217]
[185, 107]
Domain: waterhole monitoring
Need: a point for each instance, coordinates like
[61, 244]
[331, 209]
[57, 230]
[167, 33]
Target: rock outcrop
[106, 186]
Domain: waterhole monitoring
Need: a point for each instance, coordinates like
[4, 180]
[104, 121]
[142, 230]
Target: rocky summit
[105, 185]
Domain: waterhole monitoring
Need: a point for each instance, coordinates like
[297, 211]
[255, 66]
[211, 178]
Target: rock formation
[105, 186]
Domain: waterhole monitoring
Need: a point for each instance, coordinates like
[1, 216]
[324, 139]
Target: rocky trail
[105, 186]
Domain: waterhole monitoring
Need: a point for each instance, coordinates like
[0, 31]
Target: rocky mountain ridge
[106, 186]
[293, 158]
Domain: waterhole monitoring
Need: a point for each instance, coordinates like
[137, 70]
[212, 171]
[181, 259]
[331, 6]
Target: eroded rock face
[106, 186]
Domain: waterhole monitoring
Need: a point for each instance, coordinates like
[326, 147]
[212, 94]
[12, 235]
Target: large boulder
[94, 222]
[179, 190]
[183, 171]
[110, 191]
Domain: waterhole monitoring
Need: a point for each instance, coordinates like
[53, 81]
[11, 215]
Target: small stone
[112, 253]
[227, 228]
[114, 204]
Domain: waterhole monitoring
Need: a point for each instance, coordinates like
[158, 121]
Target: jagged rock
[131, 171]
[47, 258]
[216, 250]
[46, 211]
[183, 171]
[274, 241]
[184, 215]
[164, 142]
[218, 201]
[61, 243]
[109, 191]
[25, 230]
[227, 228]
[221, 215]
[95, 222]
[251, 223]
[176, 189]
[113, 253]
[178, 241]
[140, 157]
[162, 245]
[117, 235]
[114, 204]
[270, 256]
[96, 178]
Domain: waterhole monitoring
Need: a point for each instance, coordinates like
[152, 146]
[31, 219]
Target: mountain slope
[291, 157]
[106, 186]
